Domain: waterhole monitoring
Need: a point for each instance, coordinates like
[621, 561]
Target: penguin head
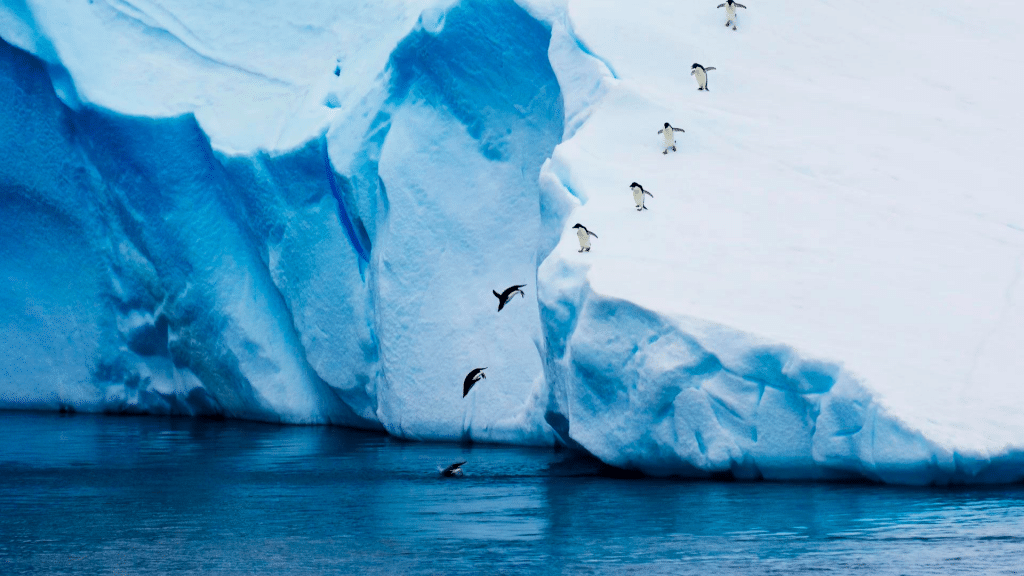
[666, 124]
[635, 185]
[695, 65]
[578, 225]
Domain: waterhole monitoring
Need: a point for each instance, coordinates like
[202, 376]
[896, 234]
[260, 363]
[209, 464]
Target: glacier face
[301, 219]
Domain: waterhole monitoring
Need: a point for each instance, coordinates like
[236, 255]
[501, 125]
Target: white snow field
[298, 212]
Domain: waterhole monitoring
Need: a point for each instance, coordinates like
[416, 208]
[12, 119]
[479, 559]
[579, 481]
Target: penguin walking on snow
[730, 12]
[584, 236]
[669, 134]
[475, 375]
[508, 294]
[701, 74]
[638, 196]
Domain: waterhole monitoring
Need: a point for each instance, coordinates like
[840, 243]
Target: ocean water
[88, 494]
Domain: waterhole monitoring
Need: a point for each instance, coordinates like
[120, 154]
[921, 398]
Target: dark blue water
[131, 495]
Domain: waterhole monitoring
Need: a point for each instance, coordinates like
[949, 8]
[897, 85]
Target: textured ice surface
[298, 213]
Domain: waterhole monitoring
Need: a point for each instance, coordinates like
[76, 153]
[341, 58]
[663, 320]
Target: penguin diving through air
[638, 196]
[669, 134]
[474, 376]
[452, 471]
[730, 12]
[584, 236]
[507, 295]
[701, 74]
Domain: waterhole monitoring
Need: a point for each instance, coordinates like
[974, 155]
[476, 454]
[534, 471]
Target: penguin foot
[673, 149]
[588, 249]
[581, 249]
[699, 88]
[733, 27]
[665, 152]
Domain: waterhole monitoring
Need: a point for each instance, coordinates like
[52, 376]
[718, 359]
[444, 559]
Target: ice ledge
[678, 396]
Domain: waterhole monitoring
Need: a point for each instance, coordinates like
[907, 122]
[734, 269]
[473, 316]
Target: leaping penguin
[638, 196]
[453, 470]
[701, 73]
[507, 295]
[669, 134]
[730, 12]
[584, 236]
[474, 376]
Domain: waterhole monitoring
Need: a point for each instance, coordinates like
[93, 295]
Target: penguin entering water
[669, 134]
[584, 236]
[701, 74]
[508, 294]
[638, 196]
[453, 470]
[730, 12]
[474, 376]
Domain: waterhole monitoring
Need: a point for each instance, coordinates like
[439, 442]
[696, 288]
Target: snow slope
[299, 214]
[833, 256]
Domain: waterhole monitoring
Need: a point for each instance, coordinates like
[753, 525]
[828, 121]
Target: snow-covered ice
[298, 213]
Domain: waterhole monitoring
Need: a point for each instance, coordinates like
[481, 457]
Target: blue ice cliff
[299, 215]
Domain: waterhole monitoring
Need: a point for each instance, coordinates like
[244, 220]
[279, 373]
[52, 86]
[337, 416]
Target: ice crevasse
[298, 214]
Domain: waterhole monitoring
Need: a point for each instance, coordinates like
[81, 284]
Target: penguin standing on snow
[701, 74]
[508, 294]
[474, 376]
[669, 134]
[730, 12]
[638, 196]
[584, 236]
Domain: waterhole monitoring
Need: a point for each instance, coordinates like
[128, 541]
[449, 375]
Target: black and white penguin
[508, 294]
[584, 236]
[730, 12]
[701, 73]
[474, 376]
[638, 196]
[669, 134]
[453, 470]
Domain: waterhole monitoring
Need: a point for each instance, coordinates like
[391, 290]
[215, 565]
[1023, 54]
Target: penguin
[638, 196]
[452, 471]
[730, 12]
[584, 236]
[474, 376]
[701, 73]
[669, 134]
[508, 294]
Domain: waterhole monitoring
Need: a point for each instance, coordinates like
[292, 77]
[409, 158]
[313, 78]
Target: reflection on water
[127, 495]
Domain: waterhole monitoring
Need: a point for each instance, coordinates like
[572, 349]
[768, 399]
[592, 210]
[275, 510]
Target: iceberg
[299, 215]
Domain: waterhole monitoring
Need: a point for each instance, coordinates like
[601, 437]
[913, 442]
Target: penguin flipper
[648, 193]
[660, 131]
[740, 5]
[591, 233]
[722, 4]
[679, 130]
[710, 68]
